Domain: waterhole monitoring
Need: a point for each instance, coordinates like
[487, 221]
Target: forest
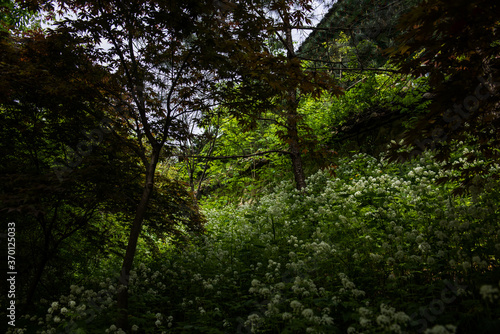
[250, 166]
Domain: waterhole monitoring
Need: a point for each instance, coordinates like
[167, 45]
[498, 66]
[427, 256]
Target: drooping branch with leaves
[457, 45]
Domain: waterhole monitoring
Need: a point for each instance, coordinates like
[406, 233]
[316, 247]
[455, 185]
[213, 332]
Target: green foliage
[240, 177]
[364, 27]
[13, 16]
[59, 211]
[67, 179]
[393, 92]
[390, 94]
[368, 247]
[455, 45]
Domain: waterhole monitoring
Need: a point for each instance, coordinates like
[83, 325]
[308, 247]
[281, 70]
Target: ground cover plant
[368, 247]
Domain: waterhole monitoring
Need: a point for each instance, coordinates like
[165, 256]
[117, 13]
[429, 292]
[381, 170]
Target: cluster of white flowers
[348, 287]
[394, 218]
[295, 248]
[489, 293]
[253, 322]
[440, 329]
[80, 304]
[114, 329]
[296, 306]
[387, 321]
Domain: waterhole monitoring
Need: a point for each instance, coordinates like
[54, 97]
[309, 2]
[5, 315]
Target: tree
[194, 153]
[293, 75]
[456, 44]
[45, 104]
[286, 79]
[289, 76]
[63, 168]
[164, 60]
[369, 26]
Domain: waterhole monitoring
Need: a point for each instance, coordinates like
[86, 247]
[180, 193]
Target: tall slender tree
[287, 80]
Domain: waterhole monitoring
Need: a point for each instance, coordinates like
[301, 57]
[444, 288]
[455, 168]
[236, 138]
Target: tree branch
[232, 156]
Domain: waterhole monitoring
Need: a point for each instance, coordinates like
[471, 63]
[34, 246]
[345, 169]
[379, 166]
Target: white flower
[439, 329]
[280, 286]
[424, 247]
[327, 320]
[401, 317]
[287, 316]
[253, 317]
[135, 328]
[157, 323]
[383, 320]
[357, 293]
[295, 304]
[395, 328]
[489, 293]
[57, 319]
[364, 322]
[364, 311]
[399, 254]
[112, 328]
[308, 313]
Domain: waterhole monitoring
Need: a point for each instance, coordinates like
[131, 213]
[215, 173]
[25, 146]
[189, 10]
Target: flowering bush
[367, 248]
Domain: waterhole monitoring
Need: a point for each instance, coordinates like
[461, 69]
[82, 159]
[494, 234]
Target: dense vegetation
[198, 173]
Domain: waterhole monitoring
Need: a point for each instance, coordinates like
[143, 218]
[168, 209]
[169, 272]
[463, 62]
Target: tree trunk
[40, 268]
[38, 276]
[297, 167]
[294, 145]
[135, 231]
[292, 117]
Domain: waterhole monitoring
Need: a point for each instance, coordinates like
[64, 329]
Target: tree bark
[292, 117]
[296, 157]
[38, 276]
[135, 231]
